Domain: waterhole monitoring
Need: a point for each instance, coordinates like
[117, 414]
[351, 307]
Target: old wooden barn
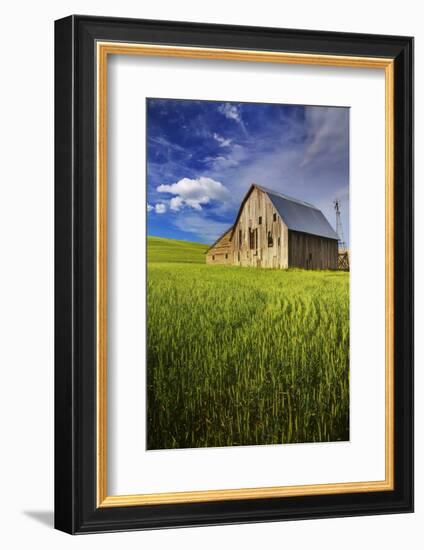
[275, 231]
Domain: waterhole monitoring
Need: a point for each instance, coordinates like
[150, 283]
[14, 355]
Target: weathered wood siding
[251, 245]
[221, 251]
[260, 238]
[312, 252]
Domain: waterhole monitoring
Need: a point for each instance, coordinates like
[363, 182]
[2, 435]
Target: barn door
[309, 261]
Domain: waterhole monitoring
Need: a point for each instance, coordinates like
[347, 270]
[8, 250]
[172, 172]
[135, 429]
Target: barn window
[260, 220]
[274, 217]
[270, 240]
[226, 256]
[238, 256]
[213, 257]
[279, 241]
[253, 239]
[240, 238]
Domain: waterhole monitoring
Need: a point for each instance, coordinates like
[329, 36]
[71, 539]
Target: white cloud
[167, 144]
[327, 129]
[221, 162]
[176, 203]
[160, 208]
[194, 192]
[150, 207]
[234, 157]
[230, 111]
[222, 141]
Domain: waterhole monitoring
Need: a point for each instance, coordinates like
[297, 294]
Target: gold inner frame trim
[104, 49]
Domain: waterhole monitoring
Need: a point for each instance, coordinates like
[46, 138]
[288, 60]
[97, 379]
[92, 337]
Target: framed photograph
[234, 274]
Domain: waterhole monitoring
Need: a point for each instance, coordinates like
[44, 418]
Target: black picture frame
[76, 510]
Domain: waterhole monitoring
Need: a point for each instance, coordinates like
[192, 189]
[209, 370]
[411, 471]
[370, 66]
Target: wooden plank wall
[312, 252]
[221, 252]
[258, 205]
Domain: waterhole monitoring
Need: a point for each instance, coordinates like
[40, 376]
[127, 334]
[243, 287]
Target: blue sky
[202, 157]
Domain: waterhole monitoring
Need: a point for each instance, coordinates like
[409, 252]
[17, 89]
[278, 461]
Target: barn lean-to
[275, 231]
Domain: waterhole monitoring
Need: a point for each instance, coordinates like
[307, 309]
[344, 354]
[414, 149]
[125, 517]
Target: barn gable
[297, 215]
[259, 236]
[220, 251]
[301, 216]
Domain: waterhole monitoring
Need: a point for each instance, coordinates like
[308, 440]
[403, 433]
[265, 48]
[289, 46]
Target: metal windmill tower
[343, 262]
[339, 226]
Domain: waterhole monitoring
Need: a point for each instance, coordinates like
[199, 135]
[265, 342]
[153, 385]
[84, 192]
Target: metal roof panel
[301, 216]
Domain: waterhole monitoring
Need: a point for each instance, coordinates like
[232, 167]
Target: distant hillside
[170, 250]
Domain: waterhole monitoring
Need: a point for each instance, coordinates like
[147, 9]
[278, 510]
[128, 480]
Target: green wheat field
[243, 356]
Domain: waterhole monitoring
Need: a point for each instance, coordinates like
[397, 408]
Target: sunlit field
[243, 356]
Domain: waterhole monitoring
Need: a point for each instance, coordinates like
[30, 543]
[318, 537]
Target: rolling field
[243, 356]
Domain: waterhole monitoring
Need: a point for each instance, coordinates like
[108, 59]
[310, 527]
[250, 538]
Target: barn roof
[218, 239]
[300, 216]
[296, 214]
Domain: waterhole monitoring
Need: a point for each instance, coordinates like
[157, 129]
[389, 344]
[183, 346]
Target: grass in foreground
[244, 356]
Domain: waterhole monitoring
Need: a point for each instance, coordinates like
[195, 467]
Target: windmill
[343, 260]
